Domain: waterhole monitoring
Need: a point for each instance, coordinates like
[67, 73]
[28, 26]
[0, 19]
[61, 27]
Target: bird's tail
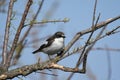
[35, 51]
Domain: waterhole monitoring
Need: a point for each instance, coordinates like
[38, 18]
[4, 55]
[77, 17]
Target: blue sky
[80, 14]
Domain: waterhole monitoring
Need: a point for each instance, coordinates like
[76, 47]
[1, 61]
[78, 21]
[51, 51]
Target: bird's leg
[59, 53]
[49, 57]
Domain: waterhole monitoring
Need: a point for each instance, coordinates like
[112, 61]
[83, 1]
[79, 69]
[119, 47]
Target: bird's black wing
[49, 42]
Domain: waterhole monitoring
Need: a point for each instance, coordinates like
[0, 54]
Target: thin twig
[93, 43]
[109, 49]
[19, 49]
[6, 37]
[47, 73]
[47, 21]
[94, 12]
[78, 63]
[109, 64]
[110, 33]
[14, 44]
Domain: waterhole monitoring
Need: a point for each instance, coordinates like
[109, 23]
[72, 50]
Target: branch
[26, 34]
[109, 64]
[86, 44]
[25, 70]
[47, 21]
[87, 51]
[103, 36]
[6, 37]
[79, 34]
[106, 49]
[19, 48]
[14, 44]
[34, 18]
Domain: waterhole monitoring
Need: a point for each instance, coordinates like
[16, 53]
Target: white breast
[55, 47]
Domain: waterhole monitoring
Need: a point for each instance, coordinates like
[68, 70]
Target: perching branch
[25, 70]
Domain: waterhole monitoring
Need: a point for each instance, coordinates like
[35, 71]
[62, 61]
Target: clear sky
[80, 14]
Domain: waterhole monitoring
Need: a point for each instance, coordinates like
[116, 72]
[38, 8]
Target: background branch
[6, 36]
[109, 64]
[109, 49]
[18, 33]
[26, 34]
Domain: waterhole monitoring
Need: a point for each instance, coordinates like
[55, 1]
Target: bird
[53, 45]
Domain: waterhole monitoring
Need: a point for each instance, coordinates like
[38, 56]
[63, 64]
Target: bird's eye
[59, 36]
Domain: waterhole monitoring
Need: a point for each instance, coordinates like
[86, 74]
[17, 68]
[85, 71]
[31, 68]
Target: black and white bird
[53, 44]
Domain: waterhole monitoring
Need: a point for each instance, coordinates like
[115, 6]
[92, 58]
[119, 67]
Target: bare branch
[14, 44]
[84, 58]
[25, 70]
[80, 34]
[107, 49]
[84, 51]
[47, 73]
[19, 49]
[34, 18]
[111, 32]
[109, 64]
[6, 36]
[78, 49]
[48, 21]
[86, 44]
[26, 34]
[94, 13]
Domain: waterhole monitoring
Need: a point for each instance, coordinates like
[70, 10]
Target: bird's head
[59, 34]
